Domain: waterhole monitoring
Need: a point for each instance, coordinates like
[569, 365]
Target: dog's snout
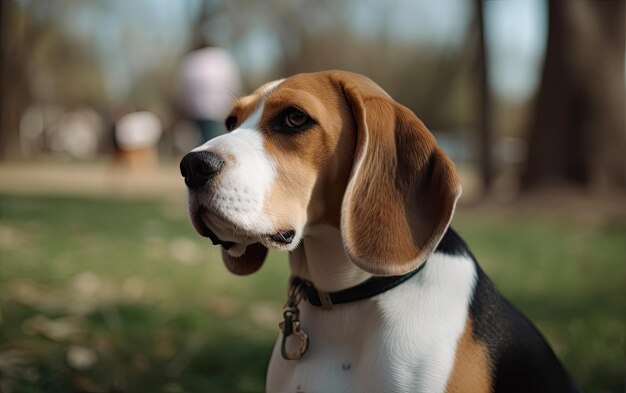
[198, 167]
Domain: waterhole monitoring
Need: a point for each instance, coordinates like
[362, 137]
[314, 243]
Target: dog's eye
[295, 118]
[230, 123]
[292, 121]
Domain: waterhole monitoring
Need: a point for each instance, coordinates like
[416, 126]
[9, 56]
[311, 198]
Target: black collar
[368, 288]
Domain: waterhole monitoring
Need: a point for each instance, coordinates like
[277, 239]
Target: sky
[516, 32]
[131, 36]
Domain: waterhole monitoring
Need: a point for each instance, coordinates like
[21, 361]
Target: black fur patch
[521, 359]
[452, 244]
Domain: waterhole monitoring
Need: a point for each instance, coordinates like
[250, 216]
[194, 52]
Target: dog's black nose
[200, 166]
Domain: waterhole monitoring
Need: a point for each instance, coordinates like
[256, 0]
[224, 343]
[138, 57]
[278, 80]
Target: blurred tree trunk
[13, 80]
[484, 119]
[578, 134]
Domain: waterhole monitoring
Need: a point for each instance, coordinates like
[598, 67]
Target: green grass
[118, 295]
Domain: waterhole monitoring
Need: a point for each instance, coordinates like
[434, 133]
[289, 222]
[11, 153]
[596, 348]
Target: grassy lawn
[122, 295]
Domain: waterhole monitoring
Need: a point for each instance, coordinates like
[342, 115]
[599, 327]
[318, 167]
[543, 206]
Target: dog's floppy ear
[403, 189]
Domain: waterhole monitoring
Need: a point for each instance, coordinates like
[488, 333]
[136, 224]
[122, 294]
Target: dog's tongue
[249, 262]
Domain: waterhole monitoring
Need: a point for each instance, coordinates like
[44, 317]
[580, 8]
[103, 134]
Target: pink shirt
[209, 81]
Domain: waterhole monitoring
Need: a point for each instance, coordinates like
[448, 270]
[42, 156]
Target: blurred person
[209, 80]
[79, 133]
[136, 137]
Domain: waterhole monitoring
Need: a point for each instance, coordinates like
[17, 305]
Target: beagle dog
[384, 295]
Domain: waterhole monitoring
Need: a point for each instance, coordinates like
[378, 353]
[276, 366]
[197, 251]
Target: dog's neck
[322, 260]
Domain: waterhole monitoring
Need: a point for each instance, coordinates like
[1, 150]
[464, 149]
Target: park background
[104, 285]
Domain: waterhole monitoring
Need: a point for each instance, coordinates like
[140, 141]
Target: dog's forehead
[268, 87]
[293, 89]
[247, 105]
[313, 83]
[309, 82]
[325, 85]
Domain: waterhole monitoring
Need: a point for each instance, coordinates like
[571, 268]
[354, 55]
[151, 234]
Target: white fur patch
[269, 87]
[322, 260]
[245, 181]
[403, 340]
[425, 317]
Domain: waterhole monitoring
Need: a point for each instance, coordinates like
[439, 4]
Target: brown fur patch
[471, 372]
[244, 107]
[313, 166]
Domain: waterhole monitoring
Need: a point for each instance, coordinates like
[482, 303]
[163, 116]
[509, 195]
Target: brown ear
[403, 188]
[249, 262]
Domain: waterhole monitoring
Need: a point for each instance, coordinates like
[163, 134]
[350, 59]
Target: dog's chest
[403, 340]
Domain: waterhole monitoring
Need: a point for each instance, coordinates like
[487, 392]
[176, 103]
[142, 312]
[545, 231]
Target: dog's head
[329, 147]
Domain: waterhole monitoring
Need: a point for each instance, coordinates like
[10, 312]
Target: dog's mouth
[283, 237]
[203, 229]
[220, 231]
[243, 251]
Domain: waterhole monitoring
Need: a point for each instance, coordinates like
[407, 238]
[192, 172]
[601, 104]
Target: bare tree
[14, 38]
[484, 118]
[35, 48]
[578, 135]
